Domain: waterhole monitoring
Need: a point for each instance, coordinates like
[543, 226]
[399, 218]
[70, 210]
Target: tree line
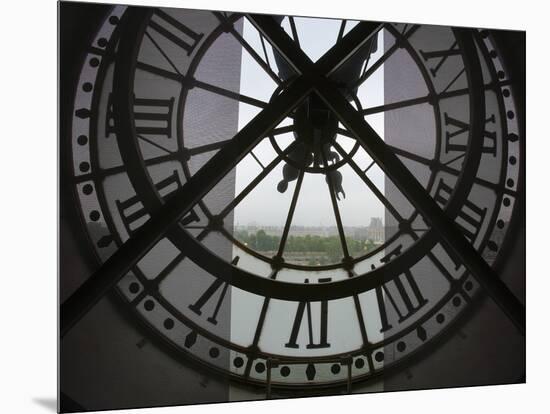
[330, 245]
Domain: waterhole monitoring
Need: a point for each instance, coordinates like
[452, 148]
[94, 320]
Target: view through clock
[256, 206]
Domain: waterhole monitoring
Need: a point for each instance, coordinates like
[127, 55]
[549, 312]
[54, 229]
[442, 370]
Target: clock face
[304, 265]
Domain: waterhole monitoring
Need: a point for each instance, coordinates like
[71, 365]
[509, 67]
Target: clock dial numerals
[406, 299]
[470, 218]
[457, 135]
[154, 111]
[217, 286]
[175, 31]
[152, 116]
[132, 211]
[412, 302]
[306, 308]
[444, 61]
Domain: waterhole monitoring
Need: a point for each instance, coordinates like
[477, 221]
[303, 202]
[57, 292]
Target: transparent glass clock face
[306, 208]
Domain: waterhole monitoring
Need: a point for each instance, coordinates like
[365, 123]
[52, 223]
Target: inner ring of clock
[241, 278]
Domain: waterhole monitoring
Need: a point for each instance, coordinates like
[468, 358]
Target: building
[375, 230]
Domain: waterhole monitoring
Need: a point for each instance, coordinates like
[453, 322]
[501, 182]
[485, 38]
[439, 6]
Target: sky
[267, 207]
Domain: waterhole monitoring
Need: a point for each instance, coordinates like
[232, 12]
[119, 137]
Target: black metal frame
[313, 76]
[323, 87]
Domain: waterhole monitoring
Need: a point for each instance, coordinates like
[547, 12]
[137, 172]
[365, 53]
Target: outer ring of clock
[342, 355]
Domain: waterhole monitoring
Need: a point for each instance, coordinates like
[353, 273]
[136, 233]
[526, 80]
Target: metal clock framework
[136, 167]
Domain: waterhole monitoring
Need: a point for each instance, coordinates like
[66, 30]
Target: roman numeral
[218, 284]
[175, 31]
[406, 302]
[151, 117]
[323, 324]
[469, 219]
[439, 56]
[133, 212]
[461, 127]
